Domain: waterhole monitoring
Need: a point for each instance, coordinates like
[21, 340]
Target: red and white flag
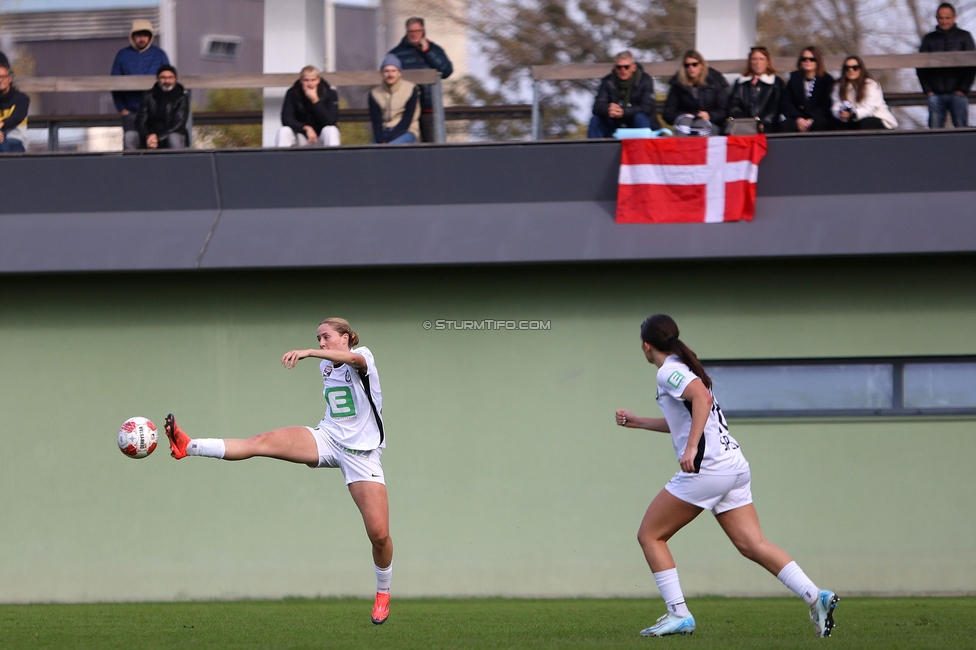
[672, 180]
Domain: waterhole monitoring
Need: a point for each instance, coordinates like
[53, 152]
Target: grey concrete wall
[510, 203]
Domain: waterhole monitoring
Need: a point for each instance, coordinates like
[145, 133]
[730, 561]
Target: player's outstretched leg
[822, 612]
[177, 439]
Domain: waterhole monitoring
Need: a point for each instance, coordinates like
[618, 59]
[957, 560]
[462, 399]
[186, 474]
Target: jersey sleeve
[673, 379]
[370, 363]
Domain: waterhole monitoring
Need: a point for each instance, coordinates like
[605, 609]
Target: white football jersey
[348, 416]
[718, 452]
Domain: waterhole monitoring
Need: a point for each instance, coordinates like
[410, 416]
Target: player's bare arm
[701, 405]
[292, 357]
[627, 419]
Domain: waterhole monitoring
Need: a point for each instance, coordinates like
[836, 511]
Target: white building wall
[294, 36]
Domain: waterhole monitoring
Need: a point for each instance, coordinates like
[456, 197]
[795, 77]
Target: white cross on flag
[672, 180]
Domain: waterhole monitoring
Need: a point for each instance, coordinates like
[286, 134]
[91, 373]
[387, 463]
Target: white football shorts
[356, 465]
[718, 493]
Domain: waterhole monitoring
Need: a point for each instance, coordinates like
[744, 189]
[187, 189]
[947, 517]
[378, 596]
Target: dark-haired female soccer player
[714, 476]
[350, 437]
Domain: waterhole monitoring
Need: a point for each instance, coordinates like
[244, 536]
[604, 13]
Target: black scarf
[625, 88]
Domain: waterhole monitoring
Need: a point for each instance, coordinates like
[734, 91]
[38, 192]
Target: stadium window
[845, 387]
[225, 48]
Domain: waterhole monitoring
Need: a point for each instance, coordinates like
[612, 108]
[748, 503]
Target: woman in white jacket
[858, 100]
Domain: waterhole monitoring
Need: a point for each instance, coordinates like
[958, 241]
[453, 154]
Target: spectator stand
[210, 82]
[543, 73]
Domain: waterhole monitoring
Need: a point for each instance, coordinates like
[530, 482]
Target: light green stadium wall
[507, 475]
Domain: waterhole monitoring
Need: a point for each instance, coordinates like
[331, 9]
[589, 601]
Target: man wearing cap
[141, 57]
[415, 52]
[394, 106]
[161, 118]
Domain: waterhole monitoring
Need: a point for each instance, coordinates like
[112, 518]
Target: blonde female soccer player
[350, 437]
[714, 476]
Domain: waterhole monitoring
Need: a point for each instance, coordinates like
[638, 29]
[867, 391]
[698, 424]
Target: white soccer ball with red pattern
[137, 437]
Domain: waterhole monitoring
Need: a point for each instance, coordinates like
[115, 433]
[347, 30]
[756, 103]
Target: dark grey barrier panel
[878, 163]
[585, 231]
[423, 175]
[105, 241]
[107, 183]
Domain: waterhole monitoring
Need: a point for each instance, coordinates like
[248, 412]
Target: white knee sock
[212, 447]
[667, 583]
[383, 577]
[793, 577]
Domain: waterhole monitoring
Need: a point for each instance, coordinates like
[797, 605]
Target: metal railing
[543, 73]
[53, 123]
[107, 83]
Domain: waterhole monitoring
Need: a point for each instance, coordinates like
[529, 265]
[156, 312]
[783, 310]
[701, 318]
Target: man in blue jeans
[947, 87]
[625, 99]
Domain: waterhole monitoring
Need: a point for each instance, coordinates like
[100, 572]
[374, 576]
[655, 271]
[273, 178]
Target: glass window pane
[940, 385]
[803, 388]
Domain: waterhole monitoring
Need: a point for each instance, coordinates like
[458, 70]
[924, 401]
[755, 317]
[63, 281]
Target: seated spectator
[416, 52]
[858, 100]
[309, 112]
[759, 92]
[697, 90]
[625, 99]
[394, 106]
[807, 100]
[13, 114]
[140, 57]
[947, 87]
[161, 118]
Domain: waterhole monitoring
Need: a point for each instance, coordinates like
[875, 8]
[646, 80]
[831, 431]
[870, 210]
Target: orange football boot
[381, 608]
[177, 439]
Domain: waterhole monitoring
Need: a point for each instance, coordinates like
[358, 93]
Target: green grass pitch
[485, 623]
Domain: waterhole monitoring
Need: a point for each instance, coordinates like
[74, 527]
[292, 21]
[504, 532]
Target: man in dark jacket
[162, 114]
[13, 114]
[947, 87]
[309, 112]
[416, 51]
[139, 58]
[625, 99]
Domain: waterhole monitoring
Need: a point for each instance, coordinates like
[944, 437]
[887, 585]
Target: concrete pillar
[294, 37]
[167, 30]
[725, 29]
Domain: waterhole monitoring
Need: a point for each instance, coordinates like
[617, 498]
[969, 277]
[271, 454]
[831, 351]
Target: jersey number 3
[341, 404]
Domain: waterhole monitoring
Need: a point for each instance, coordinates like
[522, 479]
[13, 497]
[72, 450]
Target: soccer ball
[137, 437]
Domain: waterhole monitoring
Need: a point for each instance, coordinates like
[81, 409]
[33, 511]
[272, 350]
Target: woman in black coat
[697, 90]
[807, 101]
[759, 92]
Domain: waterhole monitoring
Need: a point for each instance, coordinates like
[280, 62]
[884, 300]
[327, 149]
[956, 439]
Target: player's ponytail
[661, 333]
[341, 326]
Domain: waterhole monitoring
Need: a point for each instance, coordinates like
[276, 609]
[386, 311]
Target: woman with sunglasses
[759, 92]
[858, 102]
[697, 90]
[807, 100]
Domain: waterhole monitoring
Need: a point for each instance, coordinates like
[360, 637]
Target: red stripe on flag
[746, 147]
[664, 151]
[660, 203]
[740, 201]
